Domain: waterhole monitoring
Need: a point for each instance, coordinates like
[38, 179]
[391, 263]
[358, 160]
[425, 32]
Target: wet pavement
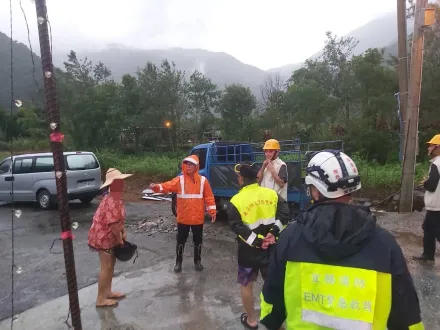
[157, 298]
[40, 289]
[42, 277]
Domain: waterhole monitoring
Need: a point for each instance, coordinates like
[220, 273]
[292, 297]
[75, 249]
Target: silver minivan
[31, 177]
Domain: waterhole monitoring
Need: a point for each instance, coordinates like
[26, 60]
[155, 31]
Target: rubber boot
[179, 258]
[423, 257]
[197, 257]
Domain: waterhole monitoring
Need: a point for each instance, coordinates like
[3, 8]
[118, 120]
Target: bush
[384, 178]
[5, 146]
[24, 145]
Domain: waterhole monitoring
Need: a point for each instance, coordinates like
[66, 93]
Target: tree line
[335, 96]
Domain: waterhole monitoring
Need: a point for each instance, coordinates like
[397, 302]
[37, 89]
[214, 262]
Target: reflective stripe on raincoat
[193, 197]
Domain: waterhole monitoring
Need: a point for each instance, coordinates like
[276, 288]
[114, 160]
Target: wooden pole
[402, 70]
[56, 139]
[408, 167]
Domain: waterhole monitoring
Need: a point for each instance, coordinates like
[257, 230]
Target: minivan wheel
[44, 199]
[86, 200]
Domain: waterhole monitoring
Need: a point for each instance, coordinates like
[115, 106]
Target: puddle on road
[109, 321]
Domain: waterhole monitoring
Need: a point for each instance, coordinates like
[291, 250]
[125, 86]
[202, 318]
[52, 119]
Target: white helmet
[333, 173]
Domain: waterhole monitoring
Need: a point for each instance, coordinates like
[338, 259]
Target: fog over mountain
[221, 67]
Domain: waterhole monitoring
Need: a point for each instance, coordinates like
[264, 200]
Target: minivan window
[22, 166]
[5, 166]
[81, 162]
[44, 164]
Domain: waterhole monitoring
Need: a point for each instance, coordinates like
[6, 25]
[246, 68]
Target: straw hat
[112, 175]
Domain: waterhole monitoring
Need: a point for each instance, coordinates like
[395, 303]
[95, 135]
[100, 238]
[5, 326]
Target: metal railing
[291, 151]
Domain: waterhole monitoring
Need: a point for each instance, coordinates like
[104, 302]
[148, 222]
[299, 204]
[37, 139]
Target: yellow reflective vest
[254, 212]
[335, 269]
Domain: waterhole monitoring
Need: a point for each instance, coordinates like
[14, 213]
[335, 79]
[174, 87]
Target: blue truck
[218, 159]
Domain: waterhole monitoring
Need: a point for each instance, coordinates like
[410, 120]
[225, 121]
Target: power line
[13, 318]
[30, 48]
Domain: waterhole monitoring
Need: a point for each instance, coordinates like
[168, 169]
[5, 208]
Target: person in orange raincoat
[194, 196]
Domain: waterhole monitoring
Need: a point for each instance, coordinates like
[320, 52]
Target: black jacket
[341, 235]
[253, 256]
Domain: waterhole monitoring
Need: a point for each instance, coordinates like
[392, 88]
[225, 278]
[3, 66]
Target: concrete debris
[163, 225]
[160, 225]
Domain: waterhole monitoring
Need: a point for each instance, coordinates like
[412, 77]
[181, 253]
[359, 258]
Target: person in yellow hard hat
[273, 173]
[431, 224]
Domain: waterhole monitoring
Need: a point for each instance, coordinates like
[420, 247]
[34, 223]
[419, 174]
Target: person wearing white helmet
[333, 267]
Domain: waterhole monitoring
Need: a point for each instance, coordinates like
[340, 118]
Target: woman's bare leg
[112, 294]
[104, 280]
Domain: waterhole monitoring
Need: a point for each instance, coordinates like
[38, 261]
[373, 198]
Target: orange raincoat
[192, 196]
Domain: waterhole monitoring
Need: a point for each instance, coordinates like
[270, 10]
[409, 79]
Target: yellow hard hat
[435, 140]
[271, 144]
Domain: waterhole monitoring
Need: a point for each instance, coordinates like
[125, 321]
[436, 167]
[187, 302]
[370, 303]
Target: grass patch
[383, 179]
[376, 179]
[380, 179]
[151, 164]
[4, 154]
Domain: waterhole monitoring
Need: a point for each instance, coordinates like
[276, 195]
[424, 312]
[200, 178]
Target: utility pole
[56, 139]
[409, 161]
[402, 70]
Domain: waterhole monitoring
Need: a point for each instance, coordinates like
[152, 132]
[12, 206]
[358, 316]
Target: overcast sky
[263, 33]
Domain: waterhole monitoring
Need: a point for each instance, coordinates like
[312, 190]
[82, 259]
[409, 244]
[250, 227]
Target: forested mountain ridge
[223, 69]
[25, 87]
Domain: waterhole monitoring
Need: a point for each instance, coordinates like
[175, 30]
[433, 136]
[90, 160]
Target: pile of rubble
[163, 225]
[160, 225]
[149, 194]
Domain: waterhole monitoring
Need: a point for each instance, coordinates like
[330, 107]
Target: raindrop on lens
[48, 74]
[59, 174]
[17, 213]
[75, 225]
[53, 125]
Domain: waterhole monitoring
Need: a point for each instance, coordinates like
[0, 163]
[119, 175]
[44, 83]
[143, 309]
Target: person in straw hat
[107, 232]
